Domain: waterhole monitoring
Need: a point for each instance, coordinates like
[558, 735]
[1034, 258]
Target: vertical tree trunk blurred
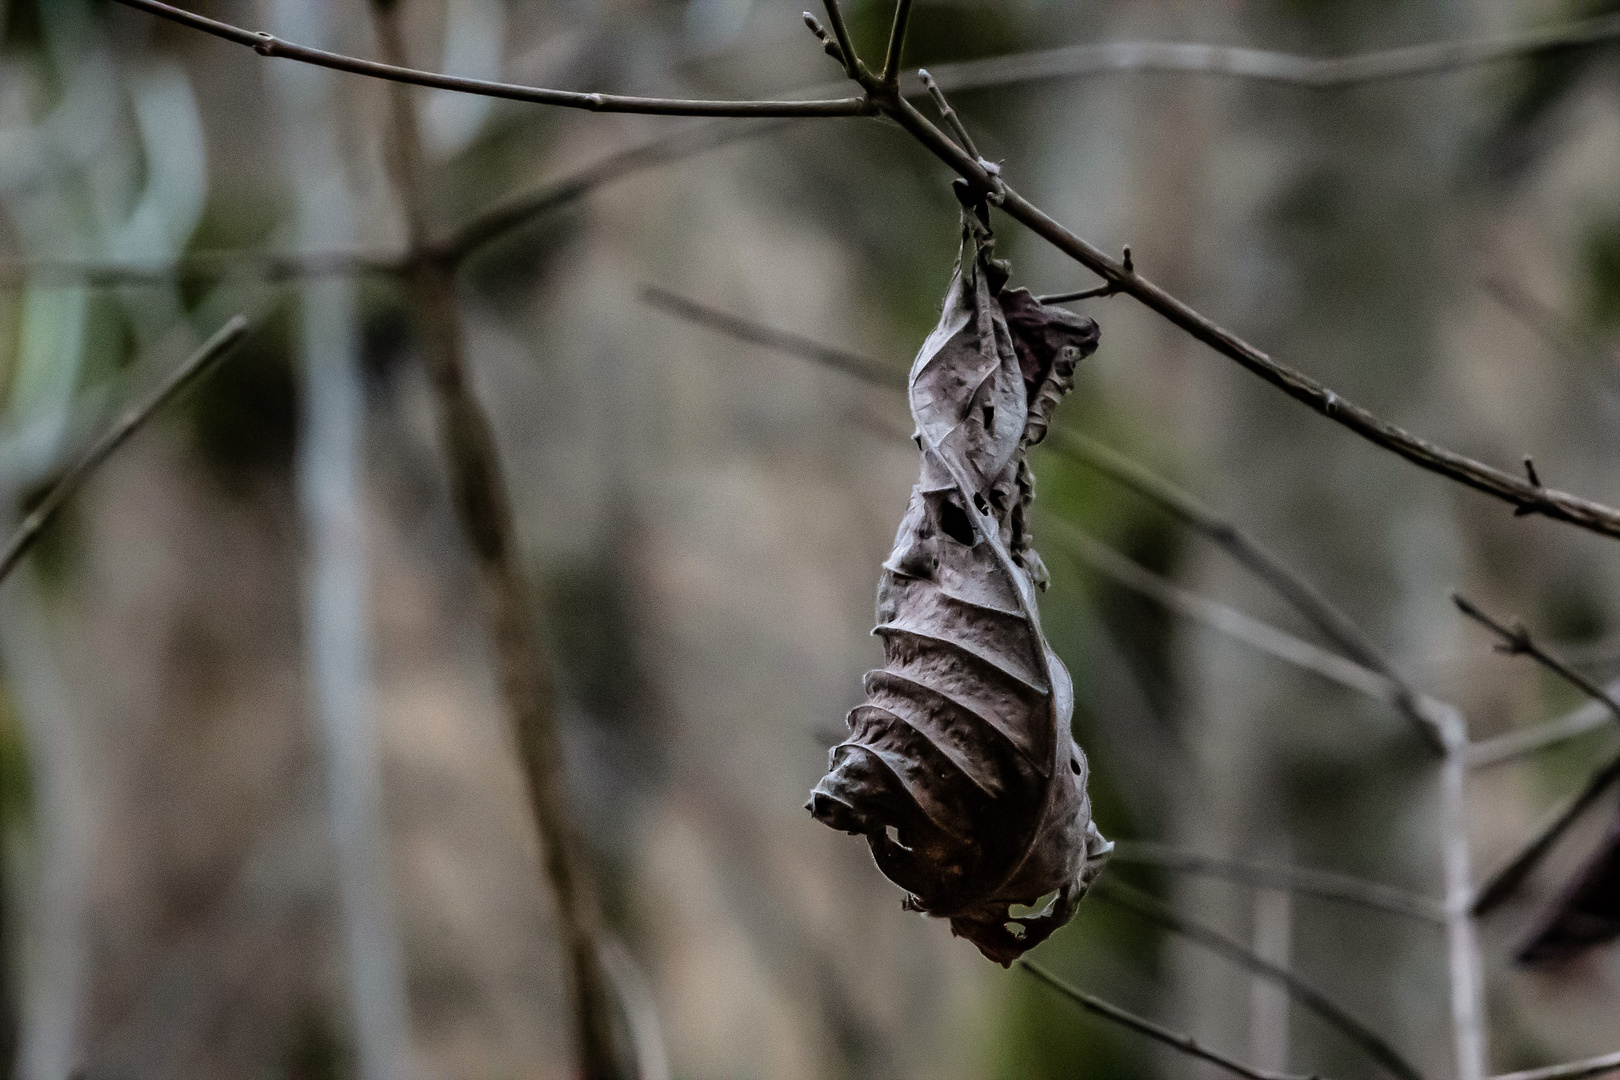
[330, 480]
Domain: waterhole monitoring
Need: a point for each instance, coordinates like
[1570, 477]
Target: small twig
[852, 61]
[1156, 911]
[1226, 620]
[268, 45]
[198, 364]
[1295, 879]
[1516, 744]
[897, 42]
[949, 114]
[1518, 641]
[1467, 981]
[1571, 1070]
[1106, 289]
[779, 340]
[1174, 1039]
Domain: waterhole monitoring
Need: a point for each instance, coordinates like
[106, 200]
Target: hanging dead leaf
[960, 768]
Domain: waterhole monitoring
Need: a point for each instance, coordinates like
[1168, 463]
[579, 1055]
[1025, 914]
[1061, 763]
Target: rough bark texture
[960, 768]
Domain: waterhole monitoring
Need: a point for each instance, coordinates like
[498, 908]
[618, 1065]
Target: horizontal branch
[1300, 880]
[1570, 1070]
[1320, 73]
[198, 364]
[1173, 1039]
[268, 45]
[1162, 914]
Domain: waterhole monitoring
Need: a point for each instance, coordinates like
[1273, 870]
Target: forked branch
[197, 365]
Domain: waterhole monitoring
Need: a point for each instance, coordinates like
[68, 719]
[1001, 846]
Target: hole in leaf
[1042, 906]
[1074, 765]
[989, 413]
[1016, 929]
[953, 521]
[892, 834]
[980, 505]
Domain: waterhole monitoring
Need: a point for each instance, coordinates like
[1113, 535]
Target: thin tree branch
[1303, 881]
[897, 41]
[1300, 594]
[1572, 1070]
[1081, 294]
[949, 114]
[1462, 935]
[478, 485]
[265, 265]
[1320, 73]
[1516, 744]
[852, 61]
[779, 340]
[1227, 620]
[1174, 1039]
[1160, 913]
[1518, 641]
[268, 45]
[197, 365]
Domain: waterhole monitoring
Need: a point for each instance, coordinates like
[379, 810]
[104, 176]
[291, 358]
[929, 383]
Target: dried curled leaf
[960, 768]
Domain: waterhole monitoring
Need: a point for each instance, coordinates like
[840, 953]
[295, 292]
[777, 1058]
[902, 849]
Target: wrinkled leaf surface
[960, 769]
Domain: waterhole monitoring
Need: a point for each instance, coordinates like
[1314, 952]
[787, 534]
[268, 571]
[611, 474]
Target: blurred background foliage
[705, 521]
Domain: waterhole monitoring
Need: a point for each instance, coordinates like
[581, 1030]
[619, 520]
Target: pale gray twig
[199, 363]
[1516, 744]
[1174, 1039]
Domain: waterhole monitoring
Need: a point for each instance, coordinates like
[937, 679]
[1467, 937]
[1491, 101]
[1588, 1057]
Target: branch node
[266, 45]
[1530, 471]
[1125, 262]
[826, 39]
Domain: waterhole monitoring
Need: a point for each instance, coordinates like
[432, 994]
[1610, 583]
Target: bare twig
[852, 62]
[1516, 744]
[1108, 289]
[268, 45]
[1227, 620]
[1322, 73]
[265, 265]
[478, 485]
[1309, 997]
[779, 340]
[198, 364]
[1300, 594]
[1174, 1039]
[1306, 882]
[897, 41]
[1571, 1070]
[949, 114]
[1518, 641]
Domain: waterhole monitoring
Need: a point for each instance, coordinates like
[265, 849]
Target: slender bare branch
[1296, 879]
[1467, 982]
[1108, 289]
[1570, 1070]
[1516, 744]
[1160, 913]
[852, 61]
[1518, 641]
[195, 366]
[478, 485]
[1227, 620]
[1321, 73]
[502, 219]
[779, 340]
[897, 41]
[268, 45]
[1300, 594]
[1174, 1039]
[949, 114]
